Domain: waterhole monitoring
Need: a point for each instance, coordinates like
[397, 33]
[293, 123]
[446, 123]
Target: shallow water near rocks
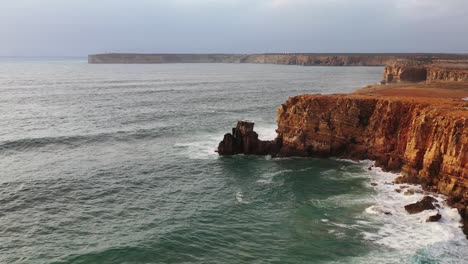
[116, 164]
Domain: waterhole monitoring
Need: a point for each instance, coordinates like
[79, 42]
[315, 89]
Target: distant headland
[305, 59]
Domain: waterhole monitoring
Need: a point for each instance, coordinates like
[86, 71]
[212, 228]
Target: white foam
[342, 200]
[266, 132]
[240, 198]
[267, 178]
[203, 146]
[396, 229]
[465, 99]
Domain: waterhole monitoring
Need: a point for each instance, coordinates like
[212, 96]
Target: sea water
[116, 164]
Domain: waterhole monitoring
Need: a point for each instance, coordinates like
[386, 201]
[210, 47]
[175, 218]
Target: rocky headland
[306, 59]
[418, 129]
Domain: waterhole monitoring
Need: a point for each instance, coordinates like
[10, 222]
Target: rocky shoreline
[423, 137]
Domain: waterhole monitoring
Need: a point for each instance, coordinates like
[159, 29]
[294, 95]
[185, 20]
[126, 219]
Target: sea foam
[411, 234]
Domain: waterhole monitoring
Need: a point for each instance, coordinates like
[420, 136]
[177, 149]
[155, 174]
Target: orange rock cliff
[426, 139]
[420, 130]
[404, 70]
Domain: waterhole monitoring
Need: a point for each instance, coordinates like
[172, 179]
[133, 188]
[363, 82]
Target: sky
[82, 27]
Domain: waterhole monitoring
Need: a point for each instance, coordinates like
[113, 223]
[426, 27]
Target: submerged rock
[434, 218]
[425, 204]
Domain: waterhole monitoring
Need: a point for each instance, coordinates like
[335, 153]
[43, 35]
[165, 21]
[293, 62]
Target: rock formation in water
[244, 140]
[427, 203]
[434, 218]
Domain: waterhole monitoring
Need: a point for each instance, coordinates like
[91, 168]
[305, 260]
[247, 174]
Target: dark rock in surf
[425, 204]
[244, 140]
[434, 218]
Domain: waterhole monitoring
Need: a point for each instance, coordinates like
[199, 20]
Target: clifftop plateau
[306, 59]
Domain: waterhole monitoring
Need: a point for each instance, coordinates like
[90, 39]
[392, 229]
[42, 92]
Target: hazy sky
[81, 27]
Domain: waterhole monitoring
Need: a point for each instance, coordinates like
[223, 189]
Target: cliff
[427, 139]
[132, 58]
[438, 73]
[424, 138]
[422, 135]
[427, 70]
[306, 59]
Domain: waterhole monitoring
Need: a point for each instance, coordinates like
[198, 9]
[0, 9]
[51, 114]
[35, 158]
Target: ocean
[116, 164]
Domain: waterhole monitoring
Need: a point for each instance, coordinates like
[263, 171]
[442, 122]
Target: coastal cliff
[438, 73]
[305, 59]
[427, 70]
[424, 138]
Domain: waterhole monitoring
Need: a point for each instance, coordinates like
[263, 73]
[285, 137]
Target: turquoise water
[116, 164]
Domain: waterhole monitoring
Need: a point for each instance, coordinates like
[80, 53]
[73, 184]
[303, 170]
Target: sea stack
[244, 140]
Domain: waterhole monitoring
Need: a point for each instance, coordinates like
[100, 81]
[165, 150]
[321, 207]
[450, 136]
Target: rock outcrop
[428, 70]
[425, 204]
[434, 218]
[244, 140]
[405, 71]
[439, 73]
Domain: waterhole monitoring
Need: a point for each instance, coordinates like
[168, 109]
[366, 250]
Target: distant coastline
[305, 59]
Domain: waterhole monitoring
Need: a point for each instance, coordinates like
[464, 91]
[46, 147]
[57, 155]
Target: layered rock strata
[438, 73]
[427, 70]
[405, 71]
[424, 138]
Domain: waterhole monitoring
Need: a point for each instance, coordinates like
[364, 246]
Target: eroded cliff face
[405, 71]
[427, 141]
[321, 59]
[426, 70]
[446, 74]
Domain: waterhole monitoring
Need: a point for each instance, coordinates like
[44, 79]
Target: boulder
[434, 218]
[425, 204]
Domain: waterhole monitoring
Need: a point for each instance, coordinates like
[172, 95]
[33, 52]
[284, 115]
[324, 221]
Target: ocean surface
[116, 164]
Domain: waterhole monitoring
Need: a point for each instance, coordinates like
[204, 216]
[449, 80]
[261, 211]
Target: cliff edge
[421, 133]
